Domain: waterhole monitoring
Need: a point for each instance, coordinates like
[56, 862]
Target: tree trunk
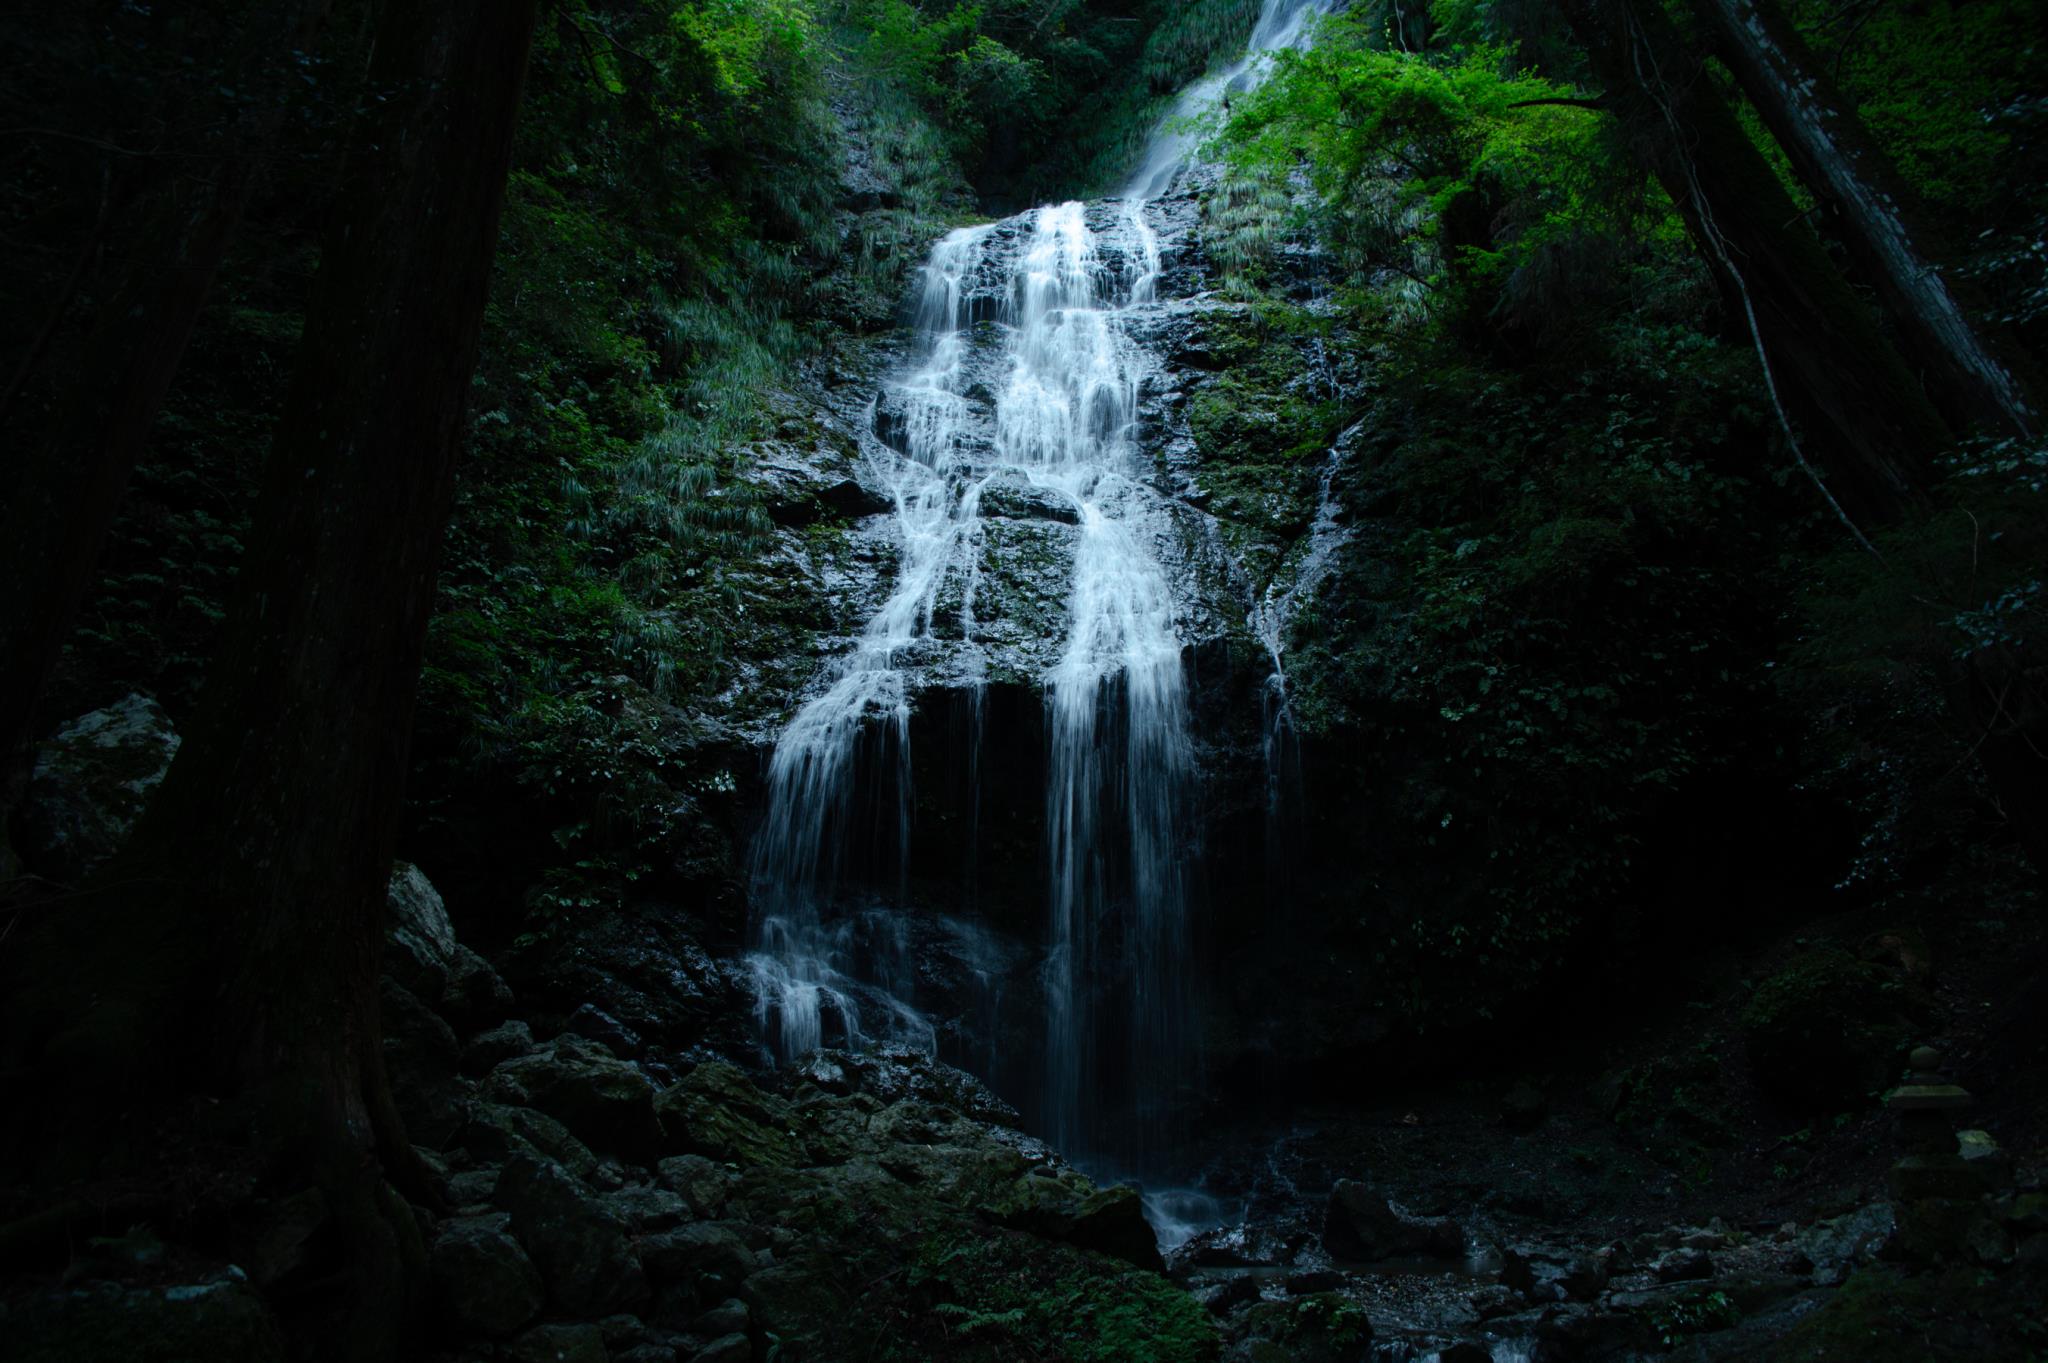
[1886, 234]
[265, 855]
[64, 501]
[1824, 356]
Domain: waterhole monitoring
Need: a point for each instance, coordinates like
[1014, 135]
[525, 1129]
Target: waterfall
[1025, 368]
[807, 967]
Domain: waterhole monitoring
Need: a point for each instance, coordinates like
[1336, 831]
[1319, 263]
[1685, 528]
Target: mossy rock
[1828, 1029]
[1325, 1327]
[978, 1294]
[1885, 1315]
[220, 1322]
[718, 1113]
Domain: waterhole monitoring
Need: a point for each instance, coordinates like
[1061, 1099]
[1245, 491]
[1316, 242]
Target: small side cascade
[1270, 616]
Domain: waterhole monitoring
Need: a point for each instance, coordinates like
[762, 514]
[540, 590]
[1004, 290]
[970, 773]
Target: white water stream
[1064, 285]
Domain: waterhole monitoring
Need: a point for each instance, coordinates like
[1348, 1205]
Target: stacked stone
[1944, 1179]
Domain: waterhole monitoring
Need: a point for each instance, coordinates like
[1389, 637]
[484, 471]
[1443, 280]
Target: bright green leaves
[1478, 182]
[756, 45]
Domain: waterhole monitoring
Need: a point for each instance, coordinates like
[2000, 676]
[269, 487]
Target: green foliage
[1571, 640]
[1692, 1314]
[1884, 1314]
[1479, 183]
[1827, 1030]
[1944, 625]
[997, 1292]
[1676, 1107]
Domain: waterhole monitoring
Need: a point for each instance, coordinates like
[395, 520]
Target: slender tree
[1968, 373]
[1824, 357]
[244, 923]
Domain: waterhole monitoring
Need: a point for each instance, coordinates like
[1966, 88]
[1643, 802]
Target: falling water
[1063, 286]
[807, 968]
[1281, 24]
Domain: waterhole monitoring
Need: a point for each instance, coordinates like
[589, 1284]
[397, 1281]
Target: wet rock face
[90, 784]
[749, 1203]
[421, 953]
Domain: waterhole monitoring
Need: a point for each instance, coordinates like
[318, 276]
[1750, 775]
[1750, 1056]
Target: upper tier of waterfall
[1031, 361]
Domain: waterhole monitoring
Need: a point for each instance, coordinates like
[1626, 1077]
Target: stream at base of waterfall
[1027, 371]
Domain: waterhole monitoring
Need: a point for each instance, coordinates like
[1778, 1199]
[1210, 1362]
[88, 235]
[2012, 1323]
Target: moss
[1322, 1328]
[1675, 1106]
[1001, 1296]
[1828, 1028]
[1884, 1315]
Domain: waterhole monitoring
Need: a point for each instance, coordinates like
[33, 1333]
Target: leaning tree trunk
[1824, 356]
[1969, 377]
[247, 916]
[64, 497]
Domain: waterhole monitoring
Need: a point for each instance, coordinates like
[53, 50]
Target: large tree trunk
[1825, 358]
[254, 939]
[1886, 234]
[63, 500]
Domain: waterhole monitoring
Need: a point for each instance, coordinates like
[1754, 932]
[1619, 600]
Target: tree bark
[256, 938]
[1969, 377]
[64, 501]
[1824, 356]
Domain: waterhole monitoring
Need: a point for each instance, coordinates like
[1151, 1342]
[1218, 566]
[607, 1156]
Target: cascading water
[1055, 406]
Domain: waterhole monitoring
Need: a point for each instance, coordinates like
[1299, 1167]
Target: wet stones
[1684, 1266]
[1108, 1220]
[222, 1320]
[717, 1113]
[488, 1050]
[90, 784]
[1359, 1223]
[483, 1281]
[579, 1245]
[606, 1102]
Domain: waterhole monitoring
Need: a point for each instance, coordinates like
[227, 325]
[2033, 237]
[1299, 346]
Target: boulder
[484, 1284]
[421, 953]
[90, 783]
[708, 1259]
[594, 1024]
[1684, 1266]
[1107, 1220]
[732, 1348]
[1360, 1224]
[645, 1353]
[650, 1209]
[606, 1102]
[220, 1321]
[1221, 1298]
[1324, 1328]
[499, 1131]
[729, 1317]
[717, 1112]
[704, 1185]
[1464, 1351]
[423, 1059]
[644, 970]
[579, 1244]
[578, 1343]
[488, 1050]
